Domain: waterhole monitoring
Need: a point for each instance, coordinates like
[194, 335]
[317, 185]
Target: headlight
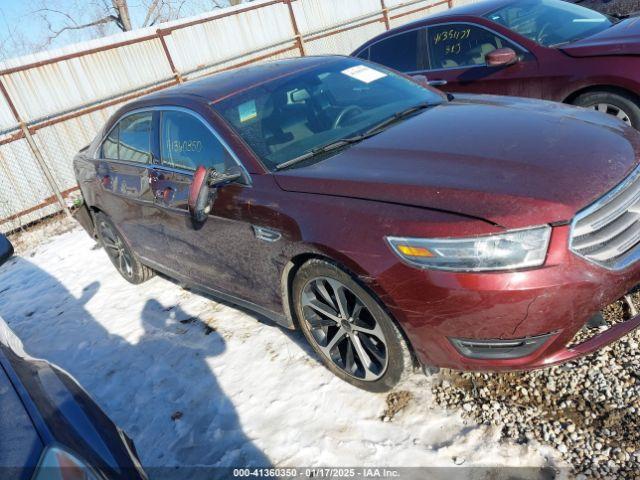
[59, 464]
[503, 251]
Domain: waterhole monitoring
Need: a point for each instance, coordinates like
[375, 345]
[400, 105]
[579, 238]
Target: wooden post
[35, 150]
[385, 14]
[43, 166]
[167, 54]
[296, 30]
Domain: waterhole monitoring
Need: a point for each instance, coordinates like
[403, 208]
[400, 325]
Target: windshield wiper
[395, 118]
[317, 151]
[343, 142]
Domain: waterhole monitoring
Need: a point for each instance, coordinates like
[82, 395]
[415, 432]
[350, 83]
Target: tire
[623, 105]
[364, 327]
[119, 251]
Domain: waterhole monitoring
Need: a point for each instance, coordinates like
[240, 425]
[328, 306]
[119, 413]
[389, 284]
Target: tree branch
[152, 8]
[101, 21]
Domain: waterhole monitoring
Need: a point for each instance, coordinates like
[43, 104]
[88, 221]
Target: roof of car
[473, 9]
[225, 84]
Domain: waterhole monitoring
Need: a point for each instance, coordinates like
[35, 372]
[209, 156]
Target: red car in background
[546, 49]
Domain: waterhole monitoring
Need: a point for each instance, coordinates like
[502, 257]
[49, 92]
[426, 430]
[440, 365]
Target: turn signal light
[414, 251]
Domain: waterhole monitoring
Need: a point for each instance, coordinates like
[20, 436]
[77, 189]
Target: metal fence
[53, 103]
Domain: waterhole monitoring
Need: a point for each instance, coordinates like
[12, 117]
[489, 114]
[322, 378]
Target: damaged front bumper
[517, 320]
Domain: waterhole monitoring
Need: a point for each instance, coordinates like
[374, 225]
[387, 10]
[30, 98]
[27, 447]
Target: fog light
[499, 349]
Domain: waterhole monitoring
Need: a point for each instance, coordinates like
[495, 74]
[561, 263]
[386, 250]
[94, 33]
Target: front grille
[608, 232]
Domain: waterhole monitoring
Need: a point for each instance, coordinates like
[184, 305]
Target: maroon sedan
[545, 49]
[392, 224]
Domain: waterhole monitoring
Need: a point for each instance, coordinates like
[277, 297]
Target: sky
[23, 30]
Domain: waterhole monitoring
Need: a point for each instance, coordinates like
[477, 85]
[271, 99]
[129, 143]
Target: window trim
[156, 162]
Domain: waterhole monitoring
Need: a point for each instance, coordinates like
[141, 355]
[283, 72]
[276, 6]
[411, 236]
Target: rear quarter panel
[568, 75]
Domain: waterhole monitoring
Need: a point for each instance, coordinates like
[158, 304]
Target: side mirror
[425, 81]
[6, 249]
[501, 57]
[203, 190]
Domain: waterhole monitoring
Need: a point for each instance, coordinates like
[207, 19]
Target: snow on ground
[196, 382]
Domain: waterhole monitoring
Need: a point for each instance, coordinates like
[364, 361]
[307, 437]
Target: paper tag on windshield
[247, 111]
[364, 74]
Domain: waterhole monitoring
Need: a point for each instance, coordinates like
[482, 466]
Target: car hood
[62, 410]
[622, 38]
[513, 162]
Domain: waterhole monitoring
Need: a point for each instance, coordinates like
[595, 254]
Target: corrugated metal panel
[344, 43]
[229, 37]
[409, 11]
[313, 15]
[266, 55]
[62, 86]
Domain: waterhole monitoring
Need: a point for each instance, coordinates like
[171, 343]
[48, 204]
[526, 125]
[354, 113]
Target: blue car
[50, 428]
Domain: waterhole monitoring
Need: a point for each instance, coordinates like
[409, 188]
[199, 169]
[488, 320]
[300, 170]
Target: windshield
[550, 22]
[292, 116]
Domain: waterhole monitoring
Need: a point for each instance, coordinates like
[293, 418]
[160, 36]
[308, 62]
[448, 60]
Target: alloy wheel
[344, 329]
[116, 249]
[612, 110]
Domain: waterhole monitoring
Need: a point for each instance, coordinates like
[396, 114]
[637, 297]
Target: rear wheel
[624, 106]
[119, 252]
[355, 338]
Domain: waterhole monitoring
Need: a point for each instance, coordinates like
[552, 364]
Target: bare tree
[96, 18]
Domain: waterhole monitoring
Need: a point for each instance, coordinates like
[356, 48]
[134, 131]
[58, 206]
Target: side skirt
[279, 318]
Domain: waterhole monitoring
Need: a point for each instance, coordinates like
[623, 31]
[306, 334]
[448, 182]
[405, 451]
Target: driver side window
[187, 143]
[461, 45]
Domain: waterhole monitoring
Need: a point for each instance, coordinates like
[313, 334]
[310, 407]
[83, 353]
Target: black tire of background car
[629, 103]
[400, 363]
[139, 272]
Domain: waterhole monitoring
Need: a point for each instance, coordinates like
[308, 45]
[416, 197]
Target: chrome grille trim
[607, 232]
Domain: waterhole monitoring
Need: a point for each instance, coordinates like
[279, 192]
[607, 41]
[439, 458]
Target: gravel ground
[613, 7]
[588, 409]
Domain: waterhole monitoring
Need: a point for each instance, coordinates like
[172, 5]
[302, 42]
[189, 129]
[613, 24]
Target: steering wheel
[344, 113]
[542, 34]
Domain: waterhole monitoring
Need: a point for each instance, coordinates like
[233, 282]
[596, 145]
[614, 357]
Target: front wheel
[621, 105]
[119, 252]
[352, 334]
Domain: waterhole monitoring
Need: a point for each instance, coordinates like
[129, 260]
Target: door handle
[437, 83]
[105, 180]
[164, 195]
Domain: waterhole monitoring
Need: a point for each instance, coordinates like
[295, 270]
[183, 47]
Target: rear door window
[110, 145]
[130, 139]
[399, 51]
[187, 143]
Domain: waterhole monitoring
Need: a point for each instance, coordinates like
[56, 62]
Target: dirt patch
[396, 402]
[26, 240]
